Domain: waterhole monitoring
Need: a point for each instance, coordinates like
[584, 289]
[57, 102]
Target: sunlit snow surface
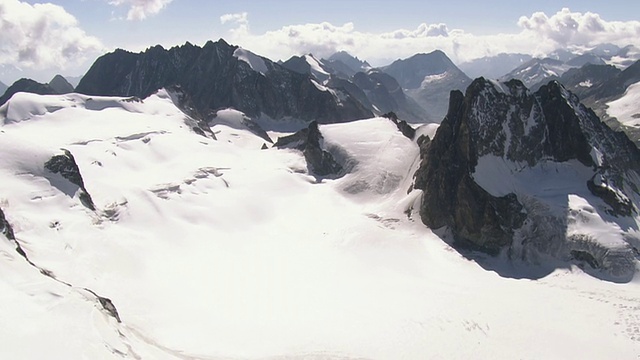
[219, 250]
[627, 108]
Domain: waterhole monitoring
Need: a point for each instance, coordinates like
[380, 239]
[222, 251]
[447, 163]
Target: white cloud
[240, 18]
[42, 36]
[538, 34]
[566, 28]
[423, 30]
[141, 9]
[241, 21]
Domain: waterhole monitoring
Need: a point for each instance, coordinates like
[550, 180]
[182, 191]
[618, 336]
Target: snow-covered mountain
[581, 81]
[386, 95]
[537, 176]
[198, 248]
[493, 67]
[219, 76]
[429, 78]
[375, 90]
[3, 87]
[353, 64]
[537, 71]
[308, 64]
[624, 57]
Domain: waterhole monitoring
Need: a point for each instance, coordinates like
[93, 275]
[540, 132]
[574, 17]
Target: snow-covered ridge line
[255, 62]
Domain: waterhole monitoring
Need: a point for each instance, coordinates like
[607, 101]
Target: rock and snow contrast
[536, 177]
[200, 241]
[428, 78]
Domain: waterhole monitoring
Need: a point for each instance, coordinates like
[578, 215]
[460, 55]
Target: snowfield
[216, 249]
[626, 108]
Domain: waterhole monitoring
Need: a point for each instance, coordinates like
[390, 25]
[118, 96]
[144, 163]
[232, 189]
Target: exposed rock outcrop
[220, 76]
[502, 129]
[65, 165]
[309, 141]
[402, 125]
[60, 85]
[5, 227]
[26, 85]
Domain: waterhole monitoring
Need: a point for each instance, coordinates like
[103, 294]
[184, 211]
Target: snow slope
[255, 62]
[317, 68]
[627, 109]
[219, 250]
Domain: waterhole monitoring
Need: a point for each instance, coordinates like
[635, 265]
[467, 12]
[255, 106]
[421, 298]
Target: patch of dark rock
[108, 306]
[66, 166]
[5, 227]
[478, 220]
[585, 257]
[619, 206]
[402, 125]
[215, 79]
[309, 141]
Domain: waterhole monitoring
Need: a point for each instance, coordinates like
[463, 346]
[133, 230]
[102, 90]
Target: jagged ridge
[215, 78]
[505, 121]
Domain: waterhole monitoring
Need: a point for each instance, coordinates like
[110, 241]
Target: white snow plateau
[218, 249]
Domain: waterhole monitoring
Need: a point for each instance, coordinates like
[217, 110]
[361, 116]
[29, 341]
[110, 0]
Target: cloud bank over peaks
[567, 28]
[141, 9]
[42, 36]
[537, 35]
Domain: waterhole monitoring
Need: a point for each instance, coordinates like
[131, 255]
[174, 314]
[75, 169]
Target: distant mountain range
[220, 76]
[429, 78]
[207, 202]
[339, 88]
[57, 86]
[376, 90]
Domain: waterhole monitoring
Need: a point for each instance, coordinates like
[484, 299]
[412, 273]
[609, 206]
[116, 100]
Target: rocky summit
[524, 174]
[219, 76]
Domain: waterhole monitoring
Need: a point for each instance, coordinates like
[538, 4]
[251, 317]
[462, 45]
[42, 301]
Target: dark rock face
[108, 306]
[345, 61]
[428, 79]
[402, 125]
[377, 91]
[215, 79]
[5, 227]
[452, 198]
[26, 85]
[411, 72]
[505, 120]
[66, 166]
[60, 85]
[581, 81]
[616, 85]
[385, 94]
[310, 141]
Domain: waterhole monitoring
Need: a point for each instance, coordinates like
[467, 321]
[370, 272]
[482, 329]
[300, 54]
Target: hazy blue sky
[43, 39]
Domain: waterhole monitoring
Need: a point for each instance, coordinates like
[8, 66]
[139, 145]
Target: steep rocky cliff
[219, 76]
[526, 174]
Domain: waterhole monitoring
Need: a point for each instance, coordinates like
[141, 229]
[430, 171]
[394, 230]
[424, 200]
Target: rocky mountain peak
[497, 131]
[219, 76]
[61, 85]
[26, 85]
